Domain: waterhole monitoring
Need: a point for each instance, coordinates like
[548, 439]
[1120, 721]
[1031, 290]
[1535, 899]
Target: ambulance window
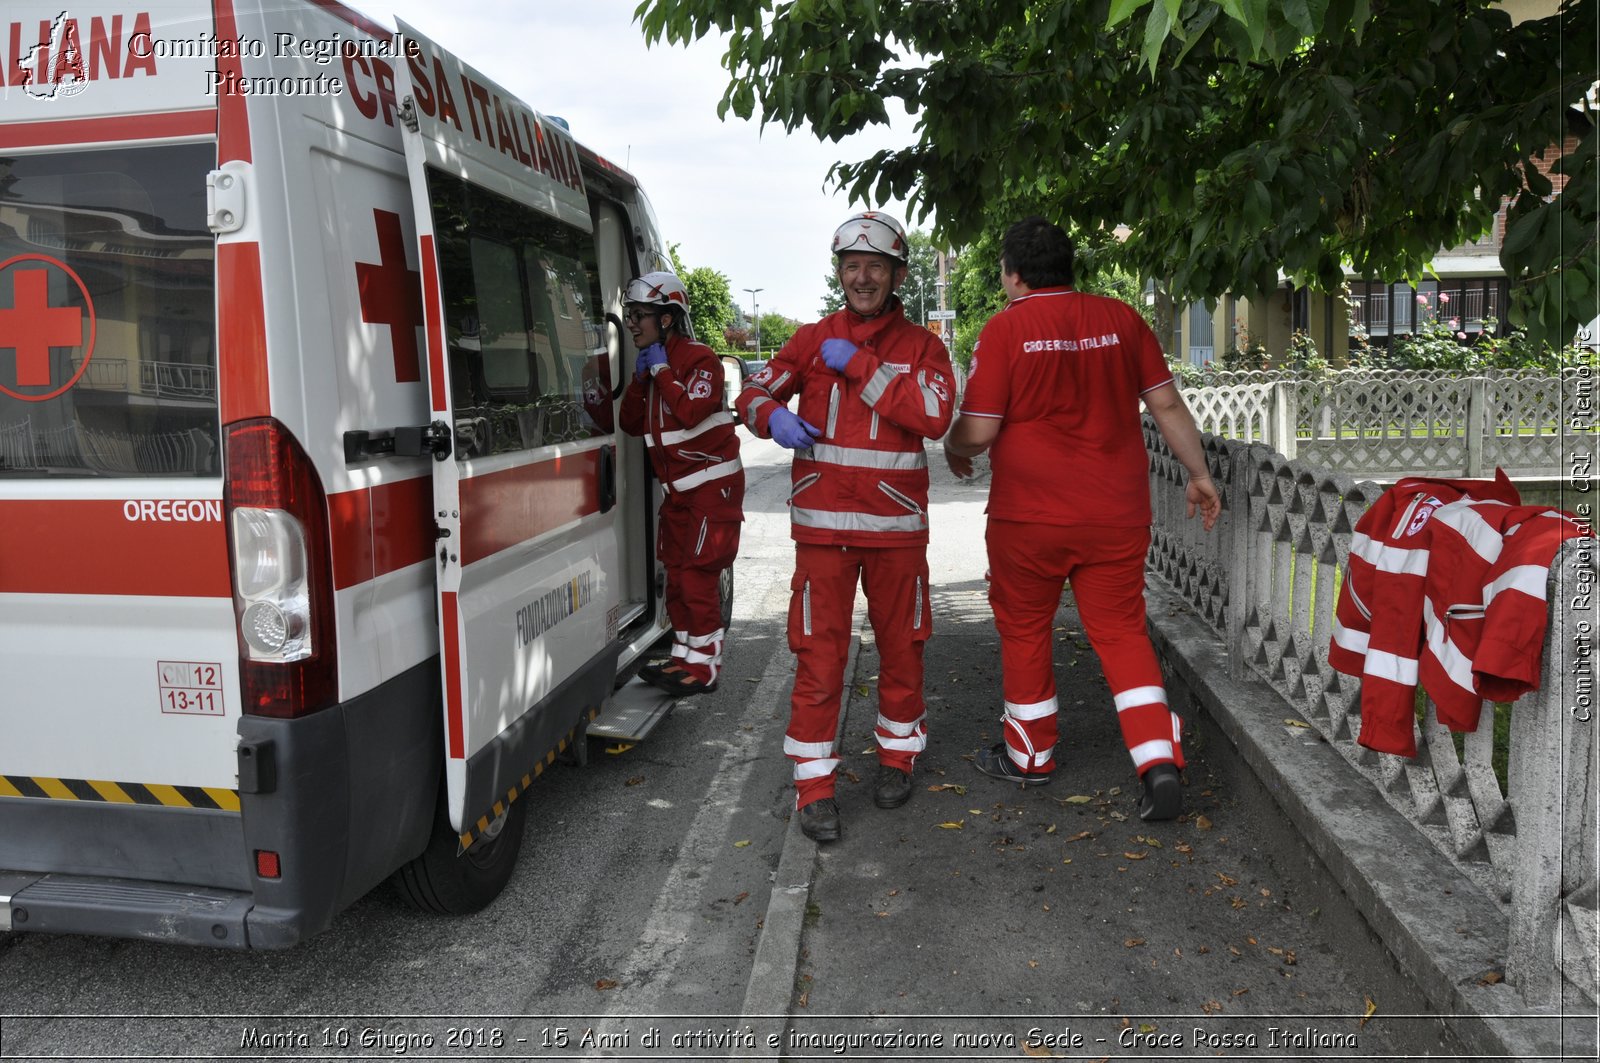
[520, 291]
[108, 362]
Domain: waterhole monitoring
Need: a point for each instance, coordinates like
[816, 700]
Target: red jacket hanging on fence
[1430, 562]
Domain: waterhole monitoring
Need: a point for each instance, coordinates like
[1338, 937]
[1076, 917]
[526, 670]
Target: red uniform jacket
[865, 482]
[690, 435]
[1444, 587]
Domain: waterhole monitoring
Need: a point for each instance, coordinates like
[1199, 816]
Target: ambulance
[319, 540]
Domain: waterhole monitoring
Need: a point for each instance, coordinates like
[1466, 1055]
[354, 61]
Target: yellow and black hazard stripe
[476, 830]
[118, 793]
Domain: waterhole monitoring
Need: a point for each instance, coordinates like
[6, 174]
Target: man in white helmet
[675, 401]
[872, 387]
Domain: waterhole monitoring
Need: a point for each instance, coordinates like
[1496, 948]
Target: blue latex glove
[790, 431]
[836, 353]
[650, 357]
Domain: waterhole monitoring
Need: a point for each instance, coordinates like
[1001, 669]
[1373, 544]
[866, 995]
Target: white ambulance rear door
[519, 386]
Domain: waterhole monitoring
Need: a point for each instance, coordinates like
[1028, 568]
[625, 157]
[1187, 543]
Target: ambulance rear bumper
[150, 911]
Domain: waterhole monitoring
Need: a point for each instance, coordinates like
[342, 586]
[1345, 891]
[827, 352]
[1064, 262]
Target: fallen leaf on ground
[852, 776]
[621, 747]
[1081, 836]
[1133, 943]
[1226, 880]
[1077, 799]
[1184, 848]
[1050, 829]
[1296, 723]
[1240, 992]
[635, 781]
[953, 824]
[1135, 856]
[1491, 977]
[603, 984]
[1202, 822]
[957, 788]
[1033, 963]
[1210, 1007]
[742, 897]
[1237, 902]
[863, 691]
[741, 844]
[1372, 1007]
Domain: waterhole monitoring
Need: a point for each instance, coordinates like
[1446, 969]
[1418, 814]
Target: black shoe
[676, 681]
[652, 668]
[994, 763]
[893, 787]
[1163, 793]
[819, 820]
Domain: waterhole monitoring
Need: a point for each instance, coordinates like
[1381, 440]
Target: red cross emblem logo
[391, 295]
[44, 316]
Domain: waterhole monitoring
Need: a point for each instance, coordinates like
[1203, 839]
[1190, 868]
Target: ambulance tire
[725, 594]
[446, 881]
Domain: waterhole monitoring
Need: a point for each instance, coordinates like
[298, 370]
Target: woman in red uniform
[675, 401]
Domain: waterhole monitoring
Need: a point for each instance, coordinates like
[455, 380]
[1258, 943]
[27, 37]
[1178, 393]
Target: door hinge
[225, 197]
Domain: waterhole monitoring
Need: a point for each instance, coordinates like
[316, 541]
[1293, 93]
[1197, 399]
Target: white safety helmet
[661, 289]
[873, 231]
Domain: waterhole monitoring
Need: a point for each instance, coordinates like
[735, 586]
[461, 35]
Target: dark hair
[1039, 252]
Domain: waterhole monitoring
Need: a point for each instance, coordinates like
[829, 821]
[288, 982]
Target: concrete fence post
[1283, 419]
[1477, 425]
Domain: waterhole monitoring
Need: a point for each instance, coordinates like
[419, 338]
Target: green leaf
[1122, 10]
[1155, 35]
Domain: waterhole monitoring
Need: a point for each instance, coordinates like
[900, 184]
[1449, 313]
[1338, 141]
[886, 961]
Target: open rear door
[519, 378]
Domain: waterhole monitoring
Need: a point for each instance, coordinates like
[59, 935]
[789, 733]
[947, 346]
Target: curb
[1434, 921]
[770, 990]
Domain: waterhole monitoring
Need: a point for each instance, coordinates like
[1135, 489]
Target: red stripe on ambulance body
[114, 546]
[241, 333]
[430, 308]
[380, 530]
[67, 131]
[450, 636]
[233, 121]
[501, 509]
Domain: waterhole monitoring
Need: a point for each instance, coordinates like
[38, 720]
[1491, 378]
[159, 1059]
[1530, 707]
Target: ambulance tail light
[282, 572]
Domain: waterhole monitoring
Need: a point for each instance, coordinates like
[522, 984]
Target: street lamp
[755, 316]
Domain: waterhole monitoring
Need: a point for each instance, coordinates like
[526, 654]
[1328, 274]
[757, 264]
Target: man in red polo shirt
[1057, 379]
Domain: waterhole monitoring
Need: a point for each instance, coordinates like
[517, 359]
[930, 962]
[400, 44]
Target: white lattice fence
[1386, 424]
[1266, 583]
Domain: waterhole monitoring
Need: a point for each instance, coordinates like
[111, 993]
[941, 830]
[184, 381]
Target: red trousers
[1028, 565]
[694, 550]
[895, 579]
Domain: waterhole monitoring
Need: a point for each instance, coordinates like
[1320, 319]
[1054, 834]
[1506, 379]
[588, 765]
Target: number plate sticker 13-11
[190, 688]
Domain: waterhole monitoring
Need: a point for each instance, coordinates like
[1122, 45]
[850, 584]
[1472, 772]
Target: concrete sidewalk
[985, 921]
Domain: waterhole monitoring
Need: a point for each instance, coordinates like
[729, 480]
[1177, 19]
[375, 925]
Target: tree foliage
[1234, 139]
[710, 301]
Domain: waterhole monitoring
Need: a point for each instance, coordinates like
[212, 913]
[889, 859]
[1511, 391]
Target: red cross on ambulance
[391, 295]
[34, 325]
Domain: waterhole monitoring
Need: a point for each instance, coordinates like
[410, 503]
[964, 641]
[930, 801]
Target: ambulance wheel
[446, 881]
[725, 595]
